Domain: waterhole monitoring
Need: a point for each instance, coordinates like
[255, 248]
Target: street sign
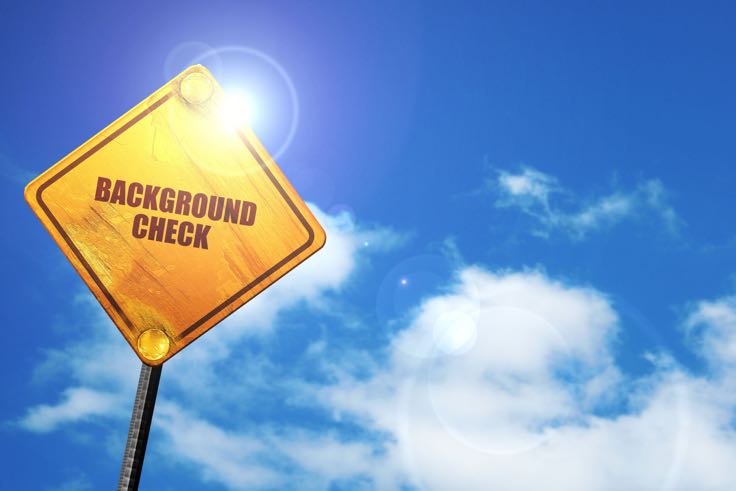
[173, 217]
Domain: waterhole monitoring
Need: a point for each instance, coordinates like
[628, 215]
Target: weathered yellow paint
[174, 139]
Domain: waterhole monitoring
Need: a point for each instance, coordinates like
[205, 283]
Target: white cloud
[219, 455]
[266, 457]
[712, 327]
[540, 196]
[535, 400]
[530, 185]
[77, 404]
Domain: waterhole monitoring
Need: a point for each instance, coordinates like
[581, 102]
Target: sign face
[173, 217]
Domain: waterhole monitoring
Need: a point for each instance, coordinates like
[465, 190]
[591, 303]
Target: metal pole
[140, 425]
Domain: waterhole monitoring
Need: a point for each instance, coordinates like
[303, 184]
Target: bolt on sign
[173, 217]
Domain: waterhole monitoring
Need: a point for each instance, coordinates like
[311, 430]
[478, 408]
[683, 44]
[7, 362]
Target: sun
[237, 110]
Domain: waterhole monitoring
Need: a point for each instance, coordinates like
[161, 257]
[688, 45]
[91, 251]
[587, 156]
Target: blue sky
[528, 282]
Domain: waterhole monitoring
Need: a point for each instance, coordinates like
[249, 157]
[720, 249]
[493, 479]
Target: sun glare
[237, 110]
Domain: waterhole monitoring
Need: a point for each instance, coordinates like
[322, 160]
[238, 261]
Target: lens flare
[227, 59]
[237, 110]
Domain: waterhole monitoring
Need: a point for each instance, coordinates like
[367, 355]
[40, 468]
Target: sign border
[254, 283]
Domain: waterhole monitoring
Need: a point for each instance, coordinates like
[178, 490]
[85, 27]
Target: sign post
[140, 426]
[174, 217]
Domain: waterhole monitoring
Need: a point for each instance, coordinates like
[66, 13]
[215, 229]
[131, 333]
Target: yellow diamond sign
[173, 217]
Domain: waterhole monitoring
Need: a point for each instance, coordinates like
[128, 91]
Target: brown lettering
[103, 189]
[118, 193]
[232, 210]
[215, 210]
[199, 205]
[135, 190]
[200, 236]
[156, 230]
[149, 197]
[248, 213]
[167, 200]
[139, 222]
[185, 230]
[183, 199]
[170, 231]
